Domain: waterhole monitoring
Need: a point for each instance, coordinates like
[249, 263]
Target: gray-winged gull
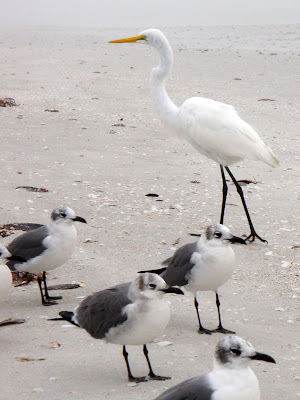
[128, 314]
[230, 379]
[46, 248]
[203, 265]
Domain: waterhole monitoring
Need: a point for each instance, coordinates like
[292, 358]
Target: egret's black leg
[151, 373]
[46, 290]
[45, 302]
[220, 327]
[201, 329]
[131, 378]
[253, 234]
[225, 190]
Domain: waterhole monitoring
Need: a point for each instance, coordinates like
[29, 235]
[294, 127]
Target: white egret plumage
[212, 128]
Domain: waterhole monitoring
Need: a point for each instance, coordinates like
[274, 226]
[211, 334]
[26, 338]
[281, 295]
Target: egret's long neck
[164, 105]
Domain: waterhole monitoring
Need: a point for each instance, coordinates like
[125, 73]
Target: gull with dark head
[231, 377]
[128, 314]
[46, 248]
[204, 265]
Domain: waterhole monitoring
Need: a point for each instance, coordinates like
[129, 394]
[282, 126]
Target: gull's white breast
[147, 319]
[5, 281]
[234, 384]
[213, 267]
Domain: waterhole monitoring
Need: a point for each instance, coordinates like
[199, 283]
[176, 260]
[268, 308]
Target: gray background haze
[120, 13]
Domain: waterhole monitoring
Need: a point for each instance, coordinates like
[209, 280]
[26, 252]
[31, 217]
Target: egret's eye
[63, 215]
[152, 286]
[236, 352]
[218, 234]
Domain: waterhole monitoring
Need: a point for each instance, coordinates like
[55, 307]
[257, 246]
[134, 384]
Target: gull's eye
[236, 352]
[63, 215]
[152, 286]
[217, 234]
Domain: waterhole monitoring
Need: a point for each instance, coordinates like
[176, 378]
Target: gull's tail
[154, 271]
[65, 316]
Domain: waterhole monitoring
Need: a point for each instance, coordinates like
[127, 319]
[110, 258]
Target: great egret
[213, 128]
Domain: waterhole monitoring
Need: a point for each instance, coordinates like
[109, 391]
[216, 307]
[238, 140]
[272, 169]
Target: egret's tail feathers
[154, 271]
[267, 155]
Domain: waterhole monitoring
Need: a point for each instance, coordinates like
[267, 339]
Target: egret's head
[153, 37]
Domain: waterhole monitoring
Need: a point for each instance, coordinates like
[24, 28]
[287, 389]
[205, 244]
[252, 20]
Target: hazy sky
[116, 13]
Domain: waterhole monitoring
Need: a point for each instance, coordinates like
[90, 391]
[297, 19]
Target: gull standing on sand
[5, 273]
[214, 129]
[46, 248]
[128, 314]
[230, 379]
[203, 265]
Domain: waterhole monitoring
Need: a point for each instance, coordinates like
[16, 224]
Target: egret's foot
[53, 297]
[138, 379]
[220, 329]
[157, 377]
[49, 302]
[204, 331]
[253, 235]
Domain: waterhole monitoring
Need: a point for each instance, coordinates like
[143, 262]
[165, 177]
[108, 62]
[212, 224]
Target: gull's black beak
[16, 258]
[263, 357]
[236, 239]
[173, 289]
[80, 219]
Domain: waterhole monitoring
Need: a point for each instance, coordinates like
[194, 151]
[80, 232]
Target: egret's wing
[213, 115]
[216, 130]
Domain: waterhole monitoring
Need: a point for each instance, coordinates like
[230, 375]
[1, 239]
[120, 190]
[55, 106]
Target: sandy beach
[100, 153]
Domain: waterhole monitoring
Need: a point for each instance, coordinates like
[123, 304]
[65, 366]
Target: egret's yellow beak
[129, 40]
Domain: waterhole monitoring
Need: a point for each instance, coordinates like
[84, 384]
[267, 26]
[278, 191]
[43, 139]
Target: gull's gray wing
[28, 245]
[197, 388]
[103, 310]
[179, 266]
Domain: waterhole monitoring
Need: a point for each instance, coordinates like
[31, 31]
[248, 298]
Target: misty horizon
[93, 13]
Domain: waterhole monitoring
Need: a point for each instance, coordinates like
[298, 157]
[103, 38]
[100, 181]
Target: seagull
[5, 273]
[46, 248]
[214, 129]
[203, 265]
[128, 314]
[231, 377]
